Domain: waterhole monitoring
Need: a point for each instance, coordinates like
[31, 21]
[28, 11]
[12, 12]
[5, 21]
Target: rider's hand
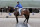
[14, 8]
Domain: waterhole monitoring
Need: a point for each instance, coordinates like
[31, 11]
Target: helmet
[18, 2]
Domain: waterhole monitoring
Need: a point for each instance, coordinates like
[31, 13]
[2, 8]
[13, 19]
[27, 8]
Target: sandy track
[11, 22]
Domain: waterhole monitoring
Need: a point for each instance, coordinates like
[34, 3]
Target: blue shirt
[19, 5]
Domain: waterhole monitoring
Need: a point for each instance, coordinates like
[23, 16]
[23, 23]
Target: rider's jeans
[20, 11]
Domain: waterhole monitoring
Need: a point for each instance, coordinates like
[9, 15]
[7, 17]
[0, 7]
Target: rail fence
[32, 15]
[34, 12]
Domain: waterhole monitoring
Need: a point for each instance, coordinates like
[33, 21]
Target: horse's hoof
[27, 23]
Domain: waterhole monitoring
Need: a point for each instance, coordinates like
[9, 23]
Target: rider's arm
[15, 6]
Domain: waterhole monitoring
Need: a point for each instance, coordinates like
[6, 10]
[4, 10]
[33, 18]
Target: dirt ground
[11, 22]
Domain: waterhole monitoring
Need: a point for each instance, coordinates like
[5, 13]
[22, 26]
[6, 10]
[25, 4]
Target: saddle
[22, 11]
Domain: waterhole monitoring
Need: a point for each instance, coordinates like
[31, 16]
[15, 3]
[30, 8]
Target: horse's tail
[28, 11]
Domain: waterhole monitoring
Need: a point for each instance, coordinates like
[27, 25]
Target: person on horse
[19, 6]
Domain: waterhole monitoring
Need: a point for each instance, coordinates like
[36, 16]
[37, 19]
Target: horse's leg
[24, 20]
[27, 18]
[17, 19]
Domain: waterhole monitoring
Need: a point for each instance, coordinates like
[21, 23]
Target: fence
[4, 15]
[34, 13]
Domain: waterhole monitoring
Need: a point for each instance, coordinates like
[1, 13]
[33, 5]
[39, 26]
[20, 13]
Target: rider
[19, 6]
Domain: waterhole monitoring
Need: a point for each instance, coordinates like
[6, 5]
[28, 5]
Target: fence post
[2, 12]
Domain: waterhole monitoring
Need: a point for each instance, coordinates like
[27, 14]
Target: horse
[24, 12]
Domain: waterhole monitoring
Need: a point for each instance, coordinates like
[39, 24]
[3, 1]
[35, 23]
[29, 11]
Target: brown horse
[24, 12]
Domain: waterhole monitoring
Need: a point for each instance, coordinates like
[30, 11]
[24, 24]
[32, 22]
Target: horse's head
[10, 7]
